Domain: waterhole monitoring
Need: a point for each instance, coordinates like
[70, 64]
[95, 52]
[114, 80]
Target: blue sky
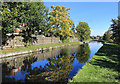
[97, 14]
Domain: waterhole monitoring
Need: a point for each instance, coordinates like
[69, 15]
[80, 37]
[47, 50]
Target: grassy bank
[19, 49]
[100, 40]
[103, 67]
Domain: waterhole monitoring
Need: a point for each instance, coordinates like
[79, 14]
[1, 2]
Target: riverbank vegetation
[33, 18]
[103, 67]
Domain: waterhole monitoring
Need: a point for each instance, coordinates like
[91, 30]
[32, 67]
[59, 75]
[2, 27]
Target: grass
[19, 49]
[98, 40]
[103, 67]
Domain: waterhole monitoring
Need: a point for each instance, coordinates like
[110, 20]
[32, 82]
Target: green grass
[98, 40]
[18, 49]
[103, 67]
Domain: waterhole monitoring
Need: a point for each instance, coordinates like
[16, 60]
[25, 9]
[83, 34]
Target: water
[57, 65]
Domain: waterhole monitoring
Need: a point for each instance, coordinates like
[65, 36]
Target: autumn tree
[60, 22]
[83, 31]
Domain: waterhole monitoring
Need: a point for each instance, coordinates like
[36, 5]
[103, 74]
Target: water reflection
[56, 70]
[53, 66]
[27, 63]
[59, 66]
[83, 53]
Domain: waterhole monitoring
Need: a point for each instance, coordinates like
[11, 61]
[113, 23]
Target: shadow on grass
[108, 57]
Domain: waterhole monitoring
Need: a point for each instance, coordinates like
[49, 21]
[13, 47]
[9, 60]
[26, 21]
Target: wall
[46, 40]
[74, 39]
[18, 41]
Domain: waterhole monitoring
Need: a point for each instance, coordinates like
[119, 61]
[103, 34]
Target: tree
[83, 31]
[32, 16]
[9, 19]
[108, 35]
[60, 22]
[116, 30]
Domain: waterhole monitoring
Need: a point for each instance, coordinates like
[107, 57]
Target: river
[56, 65]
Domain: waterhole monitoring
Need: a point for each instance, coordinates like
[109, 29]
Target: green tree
[108, 35]
[83, 31]
[116, 30]
[9, 19]
[60, 22]
[33, 17]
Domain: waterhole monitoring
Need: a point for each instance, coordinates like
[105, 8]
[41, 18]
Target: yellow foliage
[60, 13]
[64, 30]
[52, 11]
[0, 12]
[69, 8]
[52, 6]
[60, 21]
[56, 11]
[60, 8]
[63, 6]
[49, 30]
[70, 26]
[60, 17]
[68, 37]
[56, 15]
[71, 31]
[60, 33]
[57, 6]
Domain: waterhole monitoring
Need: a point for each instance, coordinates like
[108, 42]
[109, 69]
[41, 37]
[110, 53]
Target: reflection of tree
[83, 53]
[27, 63]
[59, 66]
[57, 69]
[6, 70]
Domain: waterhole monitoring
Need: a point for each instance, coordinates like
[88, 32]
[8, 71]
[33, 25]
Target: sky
[98, 15]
